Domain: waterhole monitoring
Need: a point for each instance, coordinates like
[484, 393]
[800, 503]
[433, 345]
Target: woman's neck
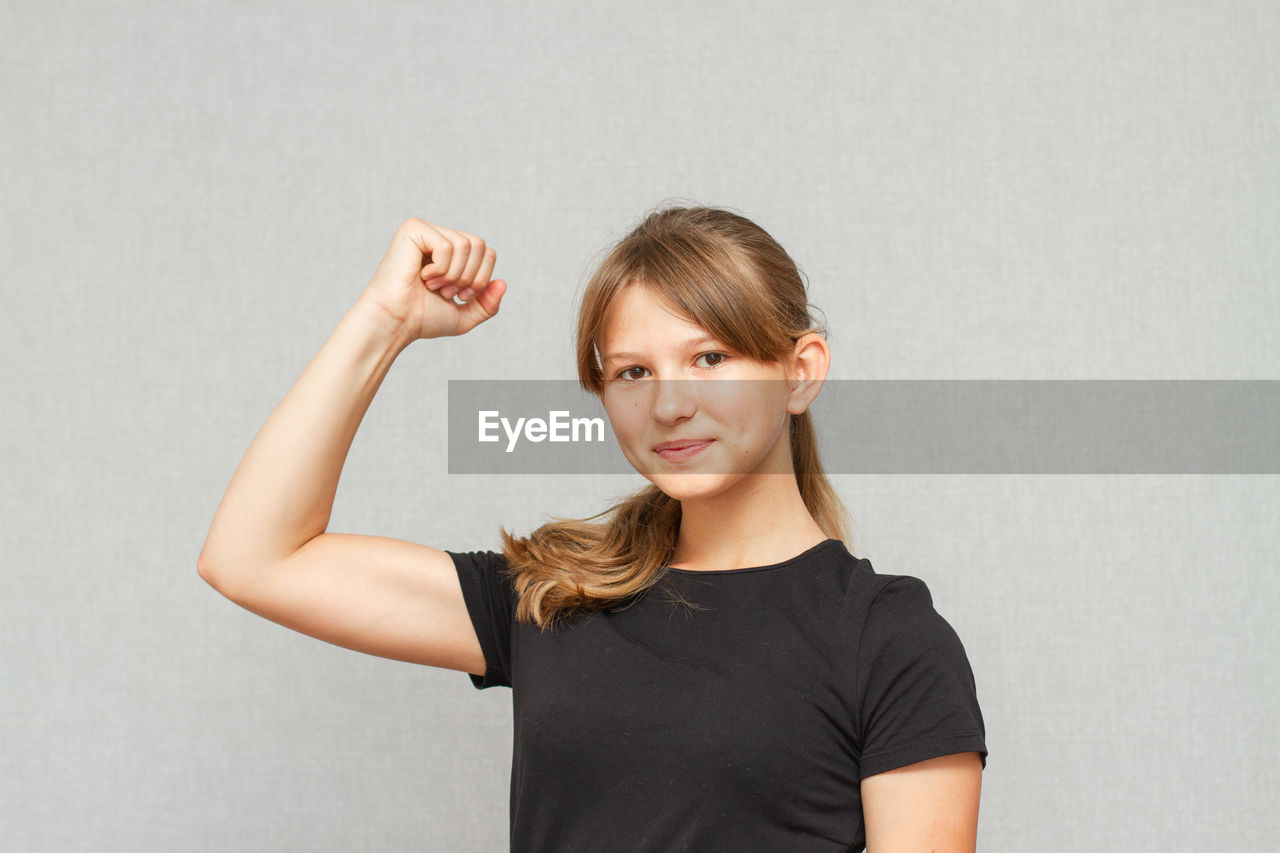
[761, 522]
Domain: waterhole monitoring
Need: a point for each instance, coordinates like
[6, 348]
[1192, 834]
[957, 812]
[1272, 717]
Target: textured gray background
[193, 194]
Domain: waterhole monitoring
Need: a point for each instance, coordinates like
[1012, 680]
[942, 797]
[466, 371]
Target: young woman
[704, 666]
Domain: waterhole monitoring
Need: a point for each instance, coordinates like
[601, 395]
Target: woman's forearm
[282, 492]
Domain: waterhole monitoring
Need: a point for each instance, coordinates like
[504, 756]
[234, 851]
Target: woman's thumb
[484, 305]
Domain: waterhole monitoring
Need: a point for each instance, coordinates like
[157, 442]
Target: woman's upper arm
[385, 597]
[930, 805]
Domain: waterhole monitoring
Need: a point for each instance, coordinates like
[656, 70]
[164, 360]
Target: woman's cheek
[627, 420]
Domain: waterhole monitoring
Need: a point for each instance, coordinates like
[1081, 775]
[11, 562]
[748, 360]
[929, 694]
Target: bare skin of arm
[927, 806]
[268, 548]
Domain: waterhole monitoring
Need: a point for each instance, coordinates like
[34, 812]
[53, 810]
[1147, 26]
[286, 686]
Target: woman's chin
[692, 486]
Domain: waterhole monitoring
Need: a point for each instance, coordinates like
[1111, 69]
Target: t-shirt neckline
[826, 543]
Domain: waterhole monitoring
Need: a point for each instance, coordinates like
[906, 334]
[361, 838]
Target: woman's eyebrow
[688, 345]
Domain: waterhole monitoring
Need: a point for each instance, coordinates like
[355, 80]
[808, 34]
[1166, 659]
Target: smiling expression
[678, 403]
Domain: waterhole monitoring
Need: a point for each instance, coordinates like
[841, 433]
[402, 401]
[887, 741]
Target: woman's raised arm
[267, 548]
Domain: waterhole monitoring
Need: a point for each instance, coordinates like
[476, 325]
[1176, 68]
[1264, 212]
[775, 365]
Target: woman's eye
[631, 374]
[716, 358]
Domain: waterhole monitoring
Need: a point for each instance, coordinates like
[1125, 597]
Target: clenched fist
[425, 268]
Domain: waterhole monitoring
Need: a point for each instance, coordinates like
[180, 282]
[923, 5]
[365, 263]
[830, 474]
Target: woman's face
[690, 415]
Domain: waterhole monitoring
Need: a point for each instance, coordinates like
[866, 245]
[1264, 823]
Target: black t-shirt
[743, 726]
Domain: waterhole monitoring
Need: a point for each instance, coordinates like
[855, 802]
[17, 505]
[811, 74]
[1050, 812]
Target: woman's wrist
[382, 327]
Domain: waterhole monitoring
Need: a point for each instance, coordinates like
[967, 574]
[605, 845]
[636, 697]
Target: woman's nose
[674, 399]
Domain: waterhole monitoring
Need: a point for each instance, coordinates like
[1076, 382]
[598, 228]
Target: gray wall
[193, 194]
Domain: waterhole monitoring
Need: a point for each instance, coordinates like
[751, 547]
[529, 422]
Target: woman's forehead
[638, 316]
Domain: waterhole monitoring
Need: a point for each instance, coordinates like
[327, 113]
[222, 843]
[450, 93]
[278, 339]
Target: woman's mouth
[679, 451]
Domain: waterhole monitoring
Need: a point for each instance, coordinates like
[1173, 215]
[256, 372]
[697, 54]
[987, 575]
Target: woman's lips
[684, 450]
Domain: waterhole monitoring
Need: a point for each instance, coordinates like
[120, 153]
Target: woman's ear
[808, 369]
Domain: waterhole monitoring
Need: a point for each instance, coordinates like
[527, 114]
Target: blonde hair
[724, 273]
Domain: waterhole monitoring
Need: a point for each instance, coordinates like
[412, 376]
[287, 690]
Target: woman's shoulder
[883, 593]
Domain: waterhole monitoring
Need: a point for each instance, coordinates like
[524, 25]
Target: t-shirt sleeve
[916, 693]
[490, 600]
